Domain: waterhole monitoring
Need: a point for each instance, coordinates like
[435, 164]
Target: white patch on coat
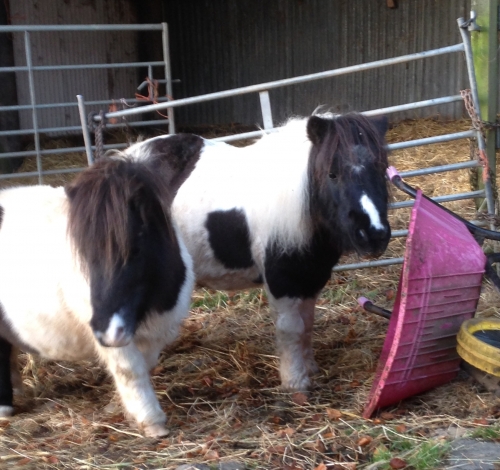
[267, 181]
[115, 335]
[372, 212]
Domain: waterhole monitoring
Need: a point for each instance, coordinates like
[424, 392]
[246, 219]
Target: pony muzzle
[372, 243]
[116, 335]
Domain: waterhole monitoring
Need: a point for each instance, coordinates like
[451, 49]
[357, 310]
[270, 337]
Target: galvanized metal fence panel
[263, 88]
[40, 115]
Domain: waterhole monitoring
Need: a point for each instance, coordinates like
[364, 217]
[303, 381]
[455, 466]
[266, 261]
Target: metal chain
[480, 126]
[469, 106]
[476, 122]
[98, 132]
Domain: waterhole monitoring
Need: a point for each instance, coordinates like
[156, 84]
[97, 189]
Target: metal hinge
[471, 22]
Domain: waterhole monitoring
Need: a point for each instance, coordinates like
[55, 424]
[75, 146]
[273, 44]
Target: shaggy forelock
[98, 213]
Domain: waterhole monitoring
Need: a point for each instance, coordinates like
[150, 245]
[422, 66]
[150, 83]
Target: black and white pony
[281, 212]
[95, 269]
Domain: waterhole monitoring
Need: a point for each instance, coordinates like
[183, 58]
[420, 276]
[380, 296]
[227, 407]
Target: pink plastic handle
[362, 301]
[392, 172]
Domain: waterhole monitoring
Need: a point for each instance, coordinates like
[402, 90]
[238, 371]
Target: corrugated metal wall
[62, 48]
[222, 44]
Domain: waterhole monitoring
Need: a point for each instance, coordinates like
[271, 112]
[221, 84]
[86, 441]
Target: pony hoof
[155, 430]
[6, 411]
[292, 386]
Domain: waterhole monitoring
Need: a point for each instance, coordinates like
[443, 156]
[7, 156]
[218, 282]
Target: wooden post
[484, 47]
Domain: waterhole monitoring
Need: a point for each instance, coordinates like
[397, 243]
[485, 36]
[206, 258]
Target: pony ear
[381, 123]
[174, 158]
[316, 129]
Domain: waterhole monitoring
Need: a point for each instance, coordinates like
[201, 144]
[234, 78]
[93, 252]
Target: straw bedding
[218, 382]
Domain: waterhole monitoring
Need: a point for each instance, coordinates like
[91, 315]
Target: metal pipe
[46, 172]
[39, 68]
[368, 264]
[374, 112]
[31, 83]
[399, 145]
[72, 104]
[445, 198]
[80, 27]
[440, 169]
[399, 233]
[77, 129]
[59, 151]
[416, 105]
[432, 140]
[289, 81]
[168, 76]
[85, 129]
[265, 107]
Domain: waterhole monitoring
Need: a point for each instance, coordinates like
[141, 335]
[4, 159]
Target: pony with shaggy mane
[281, 212]
[94, 270]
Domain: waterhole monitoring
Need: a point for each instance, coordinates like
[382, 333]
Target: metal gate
[263, 91]
[36, 110]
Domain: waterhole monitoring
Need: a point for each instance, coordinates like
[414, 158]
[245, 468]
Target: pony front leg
[133, 383]
[292, 335]
[306, 310]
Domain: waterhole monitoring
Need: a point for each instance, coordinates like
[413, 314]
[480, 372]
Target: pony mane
[339, 134]
[280, 159]
[100, 199]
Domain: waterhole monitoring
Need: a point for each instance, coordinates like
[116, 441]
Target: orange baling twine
[152, 94]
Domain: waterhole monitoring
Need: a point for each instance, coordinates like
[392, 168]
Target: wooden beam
[484, 47]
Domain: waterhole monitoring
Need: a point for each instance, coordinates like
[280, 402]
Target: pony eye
[332, 176]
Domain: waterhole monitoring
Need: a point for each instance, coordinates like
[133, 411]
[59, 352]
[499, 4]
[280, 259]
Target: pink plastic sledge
[438, 290]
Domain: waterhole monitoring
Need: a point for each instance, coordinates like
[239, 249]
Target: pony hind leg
[6, 392]
[133, 383]
[293, 320]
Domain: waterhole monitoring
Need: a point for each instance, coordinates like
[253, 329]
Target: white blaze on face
[371, 211]
[115, 335]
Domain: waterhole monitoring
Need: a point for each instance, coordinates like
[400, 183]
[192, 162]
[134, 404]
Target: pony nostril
[119, 333]
[362, 235]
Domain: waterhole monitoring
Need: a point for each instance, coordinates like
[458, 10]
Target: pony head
[120, 228]
[348, 188]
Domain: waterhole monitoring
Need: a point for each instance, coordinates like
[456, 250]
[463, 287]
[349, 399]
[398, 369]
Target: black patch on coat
[301, 273]
[5, 381]
[5, 352]
[1, 216]
[174, 157]
[229, 238]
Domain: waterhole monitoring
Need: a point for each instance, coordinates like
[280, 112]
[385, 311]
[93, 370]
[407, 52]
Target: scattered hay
[219, 382]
